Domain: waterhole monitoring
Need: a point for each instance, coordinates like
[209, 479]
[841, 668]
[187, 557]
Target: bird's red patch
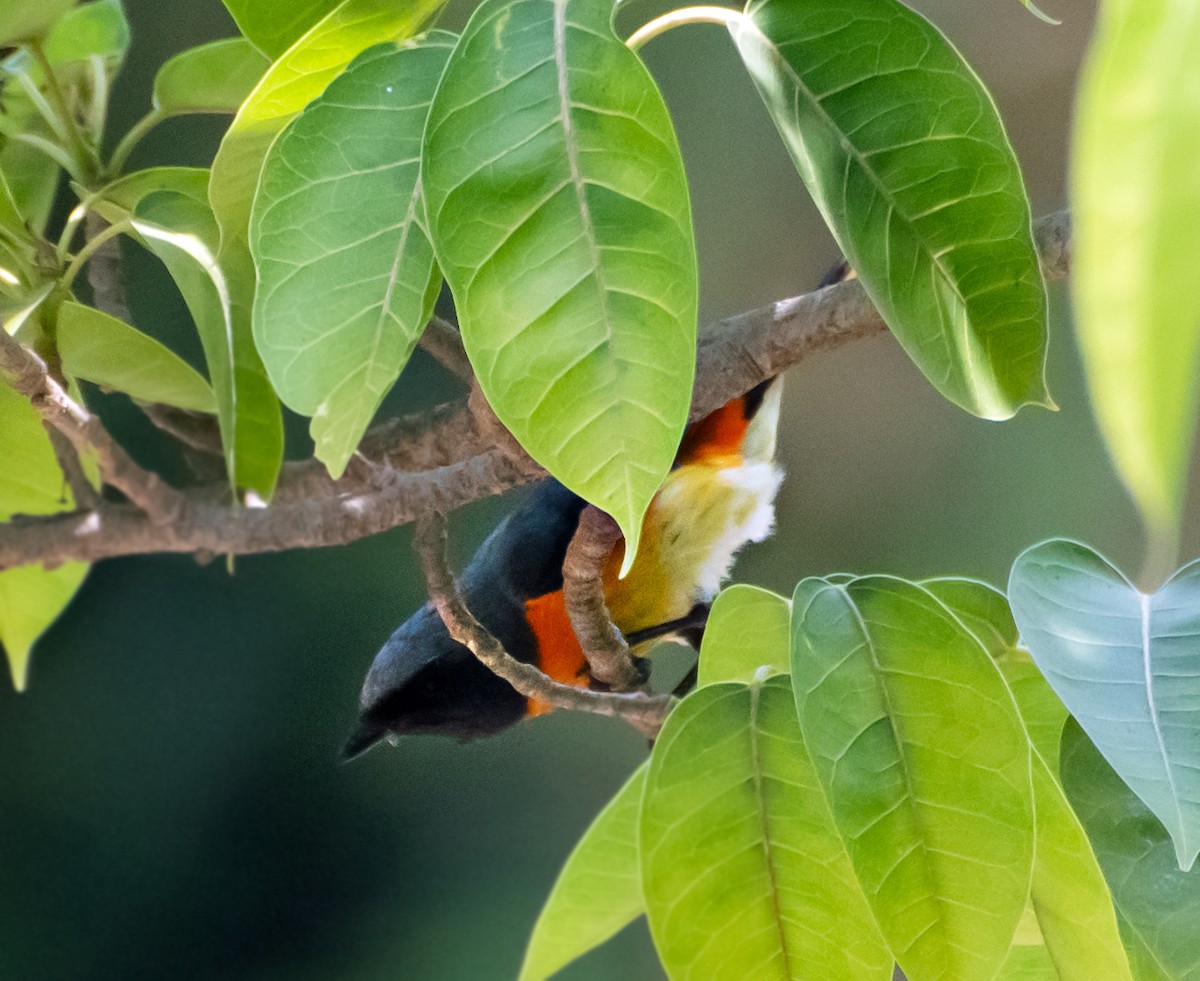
[718, 434]
[559, 653]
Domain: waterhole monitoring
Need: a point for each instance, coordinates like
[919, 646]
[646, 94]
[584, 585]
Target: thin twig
[603, 644]
[646, 713]
[84, 495]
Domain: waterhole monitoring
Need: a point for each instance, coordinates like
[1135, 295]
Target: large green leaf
[1125, 665]
[904, 153]
[1135, 196]
[926, 766]
[1159, 905]
[102, 349]
[559, 210]
[171, 215]
[346, 276]
[31, 597]
[743, 872]
[598, 891]
[24, 20]
[297, 77]
[213, 77]
[983, 609]
[747, 629]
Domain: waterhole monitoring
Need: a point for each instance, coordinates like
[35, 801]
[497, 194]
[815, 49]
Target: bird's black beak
[363, 738]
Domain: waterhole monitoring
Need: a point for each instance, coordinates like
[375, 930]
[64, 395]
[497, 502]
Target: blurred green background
[172, 805]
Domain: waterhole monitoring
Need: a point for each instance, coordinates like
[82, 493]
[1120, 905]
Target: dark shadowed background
[171, 805]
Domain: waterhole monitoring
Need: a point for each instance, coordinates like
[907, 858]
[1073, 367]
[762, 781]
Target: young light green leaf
[24, 20]
[926, 766]
[346, 277]
[1069, 895]
[743, 872]
[274, 25]
[1137, 301]
[170, 211]
[559, 211]
[1158, 905]
[1028, 962]
[903, 151]
[104, 350]
[1125, 665]
[747, 629]
[598, 891]
[213, 77]
[1040, 15]
[31, 597]
[983, 609]
[95, 28]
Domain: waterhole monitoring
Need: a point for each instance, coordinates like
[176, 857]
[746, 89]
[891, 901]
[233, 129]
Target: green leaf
[274, 25]
[98, 28]
[32, 177]
[1137, 301]
[24, 20]
[748, 628]
[903, 152]
[170, 211]
[294, 80]
[1125, 665]
[984, 611]
[599, 890]
[926, 766]
[1072, 902]
[213, 77]
[1032, 8]
[1158, 904]
[1028, 962]
[109, 352]
[346, 276]
[559, 210]
[743, 872]
[31, 597]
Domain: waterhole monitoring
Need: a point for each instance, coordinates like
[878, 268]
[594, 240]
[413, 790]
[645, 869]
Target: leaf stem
[130, 140]
[725, 16]
[90, 248]
[86, 160]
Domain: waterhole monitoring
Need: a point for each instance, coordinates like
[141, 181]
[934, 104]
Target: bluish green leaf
[926, 766]
[559, 211]
[984, 611]
[1125, 665]
[24, 20]
[743, 872]
[213, 77]
[31, 598]
[1159, 905]
[1135, 197]
[598, 891]
[104, 350]
[904, 153]
[169, 207]
[346, 276]
[747, 628]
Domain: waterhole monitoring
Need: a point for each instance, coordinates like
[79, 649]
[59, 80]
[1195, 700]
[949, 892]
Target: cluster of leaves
[876, 772]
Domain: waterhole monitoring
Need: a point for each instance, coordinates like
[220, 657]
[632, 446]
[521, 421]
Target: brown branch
[443, 342]
[645, 713]
[86, 433]
[85, 496]
[603, 644]
[473, 458]
[104, 271]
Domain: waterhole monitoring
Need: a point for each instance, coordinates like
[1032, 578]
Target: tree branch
[645, 713]
[449, 457]
[30, 377]
[603, 644]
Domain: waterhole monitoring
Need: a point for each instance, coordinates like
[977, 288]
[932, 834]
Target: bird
[718, 495]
